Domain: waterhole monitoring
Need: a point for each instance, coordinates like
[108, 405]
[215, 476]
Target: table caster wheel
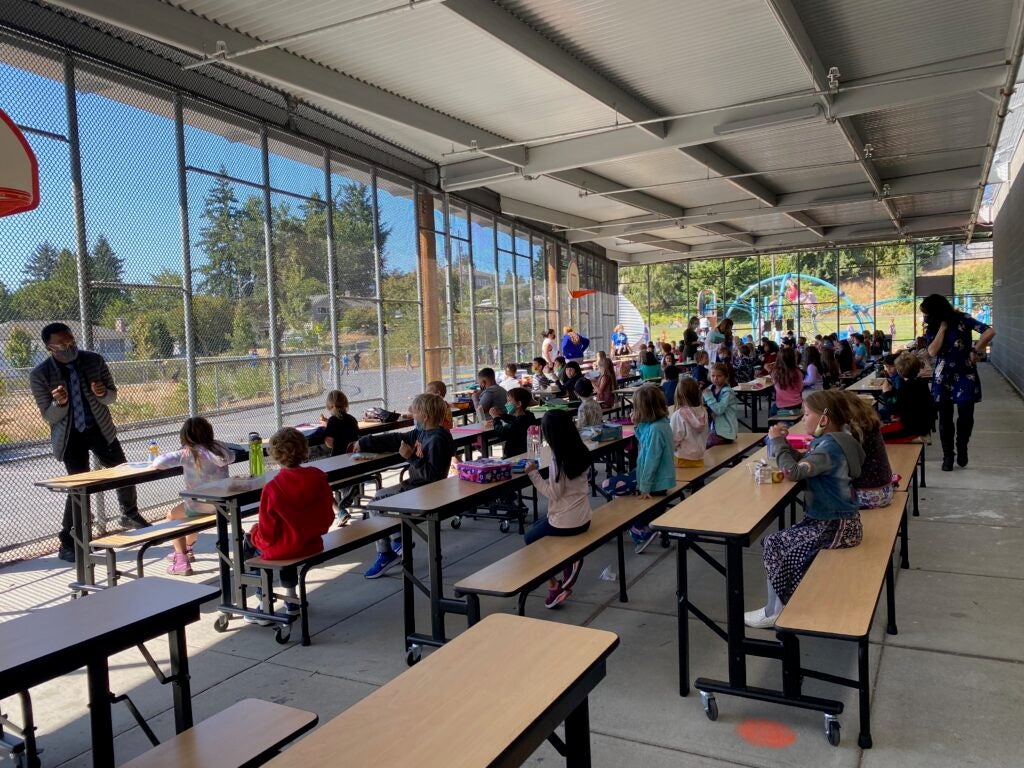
[664, 541]
[282, 635]
[710, 706]
[456, 523]
[413, 655]
[220, 624]
[504, 527]
[832, 730]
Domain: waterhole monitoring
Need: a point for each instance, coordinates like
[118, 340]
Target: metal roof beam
[586, 180]
[793, 202]
[527, 42]
[199, 36]
[789, 20]
[701, 129]
[730, 232]
[523, 210]
[718, 164]
[807, 222]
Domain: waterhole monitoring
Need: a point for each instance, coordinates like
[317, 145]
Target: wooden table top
[453, 493]
[903, 461]
[336, 468]
[54, 641]
[730, 505]
[466, 703]
[718, 455]
[763, 384]
[867, 384]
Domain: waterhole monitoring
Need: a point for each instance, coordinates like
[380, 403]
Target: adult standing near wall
[573, 344]
[691, 341]
[547, 347]
[720, 334]
[955, 381]
[74, 390]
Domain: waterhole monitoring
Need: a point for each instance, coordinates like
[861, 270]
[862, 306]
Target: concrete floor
[947, 689]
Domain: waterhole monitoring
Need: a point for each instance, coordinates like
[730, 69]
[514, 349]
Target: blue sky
[130, 180]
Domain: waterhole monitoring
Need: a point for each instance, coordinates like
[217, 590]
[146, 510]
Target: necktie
[77, 407]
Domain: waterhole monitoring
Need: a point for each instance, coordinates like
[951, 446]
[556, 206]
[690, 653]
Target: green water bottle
[255, 454]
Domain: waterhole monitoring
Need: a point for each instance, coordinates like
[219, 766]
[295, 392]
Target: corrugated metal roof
[549, 193]
[959, 121]
[871, 37]
[671, 165]
[936, 203]
[674, 56]
[850, 213]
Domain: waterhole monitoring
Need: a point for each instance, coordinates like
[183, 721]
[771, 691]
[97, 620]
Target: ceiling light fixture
[769, 121]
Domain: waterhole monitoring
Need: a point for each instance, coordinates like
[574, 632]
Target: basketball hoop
[19, 174]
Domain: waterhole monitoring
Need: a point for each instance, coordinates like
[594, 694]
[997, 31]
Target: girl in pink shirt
[789, 384]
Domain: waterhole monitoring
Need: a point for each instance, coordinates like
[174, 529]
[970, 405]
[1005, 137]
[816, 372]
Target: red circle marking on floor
[766, 733]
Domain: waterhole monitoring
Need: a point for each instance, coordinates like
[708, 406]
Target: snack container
[799, 442]
[484, 470]
[610, 431]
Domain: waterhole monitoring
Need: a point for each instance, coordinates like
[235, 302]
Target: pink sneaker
[180, 566]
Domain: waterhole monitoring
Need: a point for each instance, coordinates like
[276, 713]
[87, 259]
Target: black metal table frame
[413, 524]
[786, 648]
[752, 398]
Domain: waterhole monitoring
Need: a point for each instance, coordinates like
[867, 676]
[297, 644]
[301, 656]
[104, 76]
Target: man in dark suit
[73, 390]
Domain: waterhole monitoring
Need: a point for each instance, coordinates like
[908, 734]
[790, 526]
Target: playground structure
[795, 289]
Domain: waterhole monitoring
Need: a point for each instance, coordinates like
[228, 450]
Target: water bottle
[255, 454]
[534, 435]
[154, 451]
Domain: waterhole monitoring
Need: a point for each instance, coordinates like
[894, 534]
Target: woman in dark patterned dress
[955, 381]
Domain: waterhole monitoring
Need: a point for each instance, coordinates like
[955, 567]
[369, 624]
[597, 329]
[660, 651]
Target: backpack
[380, 414]
[917, 407]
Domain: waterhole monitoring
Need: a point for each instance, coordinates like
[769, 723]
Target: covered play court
[236, 207]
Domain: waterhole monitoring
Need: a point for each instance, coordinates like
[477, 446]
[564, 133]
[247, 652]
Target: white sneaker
[759, 620]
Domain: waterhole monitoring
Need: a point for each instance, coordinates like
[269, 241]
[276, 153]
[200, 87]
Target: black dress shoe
[947, 463]
[67, 554]
[133, 522]
[961, 456]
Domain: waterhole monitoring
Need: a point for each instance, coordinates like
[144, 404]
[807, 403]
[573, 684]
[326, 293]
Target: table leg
[755, 400]
[408, 587]
[81, 534]
[100, 720]
[904, 540]
[182, 685]
[683, 617]
[577, 736]
[224, 552]
[436, 583]
[914, 487]
[236, 553]
[734, 614]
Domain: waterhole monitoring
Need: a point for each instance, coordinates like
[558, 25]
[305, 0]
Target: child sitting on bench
[203, 460]
[428, 448]
[296, 509]
[831, 519]
[565, 488]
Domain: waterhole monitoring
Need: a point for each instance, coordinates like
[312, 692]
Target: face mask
[417, 424]
[820, 429]
[510, 408]
[66, 355]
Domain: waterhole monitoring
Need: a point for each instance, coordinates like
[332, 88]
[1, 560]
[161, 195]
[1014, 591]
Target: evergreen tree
[218, 239]
[42, 263]
[55, 299]
[104, 266]
[353, 240]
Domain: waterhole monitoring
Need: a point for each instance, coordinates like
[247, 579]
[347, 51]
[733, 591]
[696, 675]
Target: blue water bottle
[255, 454]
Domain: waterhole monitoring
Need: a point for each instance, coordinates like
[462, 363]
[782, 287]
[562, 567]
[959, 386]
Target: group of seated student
[846, 469]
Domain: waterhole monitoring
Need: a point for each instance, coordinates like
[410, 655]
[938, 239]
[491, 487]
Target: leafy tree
[20, 349]
[150, 337]
[6, 304]
[42, 263]
[56, 299]
[244, 328]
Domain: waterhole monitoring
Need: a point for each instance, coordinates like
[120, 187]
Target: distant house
[113, 345]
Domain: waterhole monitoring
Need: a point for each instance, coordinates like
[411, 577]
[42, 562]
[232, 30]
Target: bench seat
[338, 542]
[523, 570]
[837, 598]
[144, 538]
[245, 735]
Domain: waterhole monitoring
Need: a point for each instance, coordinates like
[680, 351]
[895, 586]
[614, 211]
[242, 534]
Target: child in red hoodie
[296, 507]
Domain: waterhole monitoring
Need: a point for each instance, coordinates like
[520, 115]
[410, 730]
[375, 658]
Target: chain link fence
[229, 268]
